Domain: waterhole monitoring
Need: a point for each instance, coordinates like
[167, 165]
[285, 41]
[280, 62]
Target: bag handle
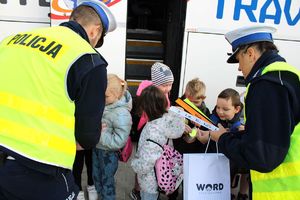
[157, 142]
[209, 138]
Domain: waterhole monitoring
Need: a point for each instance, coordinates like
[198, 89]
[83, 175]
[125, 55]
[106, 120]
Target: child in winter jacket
[227, 112]
[195, 92]
[116, 125]
[161, 126]
[161, 77]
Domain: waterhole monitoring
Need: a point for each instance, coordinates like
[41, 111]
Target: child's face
[110, 97]
[225, 109]
[165, 88]
[197, 101]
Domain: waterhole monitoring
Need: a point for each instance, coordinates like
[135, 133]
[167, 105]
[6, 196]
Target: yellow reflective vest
[284, 181]
[36, 114]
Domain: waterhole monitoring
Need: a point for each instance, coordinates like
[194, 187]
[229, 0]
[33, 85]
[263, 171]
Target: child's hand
[79, 147]
[202, 136]
[241, 128]
[103, 126]
[187, 129]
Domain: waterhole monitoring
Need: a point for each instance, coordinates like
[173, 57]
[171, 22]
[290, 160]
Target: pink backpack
[168, 169]
[125, 153]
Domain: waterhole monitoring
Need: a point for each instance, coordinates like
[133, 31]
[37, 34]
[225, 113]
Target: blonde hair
[116, 85]
[195, 88]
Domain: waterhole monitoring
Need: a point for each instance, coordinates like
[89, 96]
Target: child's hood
[125, 101]
[142, 86]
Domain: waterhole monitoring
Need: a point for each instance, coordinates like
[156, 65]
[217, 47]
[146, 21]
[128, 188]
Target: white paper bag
[206, 176]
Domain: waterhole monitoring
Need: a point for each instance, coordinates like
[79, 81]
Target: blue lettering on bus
[287, 9]
[248, 9]
[42, 3]
[264, 11]
[220, 9]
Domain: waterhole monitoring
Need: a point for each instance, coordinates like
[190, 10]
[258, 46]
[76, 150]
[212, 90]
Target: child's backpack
[168, 169]
[125, 153]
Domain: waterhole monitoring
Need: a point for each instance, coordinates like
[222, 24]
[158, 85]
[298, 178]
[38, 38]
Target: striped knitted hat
[161, 74]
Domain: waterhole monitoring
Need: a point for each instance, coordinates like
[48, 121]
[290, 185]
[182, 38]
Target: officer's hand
[215, 135]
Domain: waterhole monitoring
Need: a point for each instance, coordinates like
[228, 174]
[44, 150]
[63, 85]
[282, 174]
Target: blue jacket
[118, 122]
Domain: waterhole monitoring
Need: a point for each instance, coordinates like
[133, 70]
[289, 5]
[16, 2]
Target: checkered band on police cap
[161, 74]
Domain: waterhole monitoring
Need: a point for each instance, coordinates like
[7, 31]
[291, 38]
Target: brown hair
[153, 102]
[116, 85]
[85, 16]
[195, 88]
[232, 94]
[260, 46]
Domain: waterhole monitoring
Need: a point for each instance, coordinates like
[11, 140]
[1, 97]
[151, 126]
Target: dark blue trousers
[18, 182]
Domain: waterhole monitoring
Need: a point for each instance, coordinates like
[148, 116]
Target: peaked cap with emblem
[247, 35]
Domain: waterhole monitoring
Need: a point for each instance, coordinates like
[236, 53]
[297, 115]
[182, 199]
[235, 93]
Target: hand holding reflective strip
[193, 118]
[214, 135]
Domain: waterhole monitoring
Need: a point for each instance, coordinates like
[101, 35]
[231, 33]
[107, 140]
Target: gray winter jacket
[159, 130]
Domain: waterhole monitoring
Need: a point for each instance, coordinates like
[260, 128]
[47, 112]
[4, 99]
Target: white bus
[187, 35]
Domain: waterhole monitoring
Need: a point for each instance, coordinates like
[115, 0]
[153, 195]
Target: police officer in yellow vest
[48, 76]
[270, 144]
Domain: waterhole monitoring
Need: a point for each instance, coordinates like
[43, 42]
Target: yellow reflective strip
[186, 100]
[284, 170]
[290, 195]
[36, 137]
[281, 66]
[36, 109]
